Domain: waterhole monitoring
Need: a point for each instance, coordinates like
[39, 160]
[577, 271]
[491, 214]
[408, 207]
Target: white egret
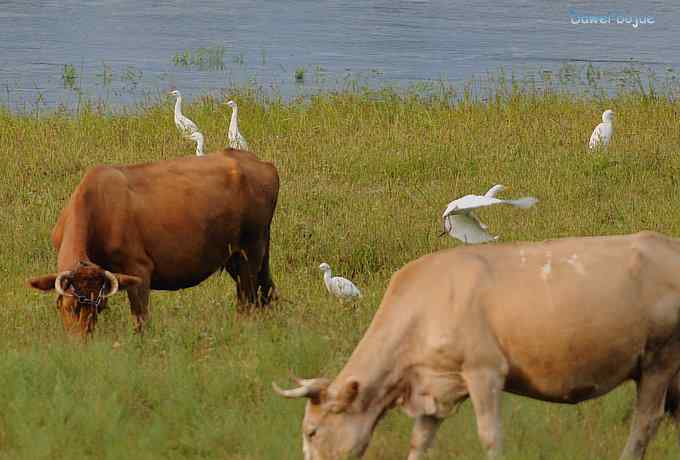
[602, 133]
[461, 223]
[198, 138]
[185, 126]
[341, 288]
[236, 140]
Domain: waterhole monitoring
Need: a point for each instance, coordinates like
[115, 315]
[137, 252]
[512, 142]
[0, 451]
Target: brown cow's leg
[485, 387]
[424, 430]
[233, 267]
[252, 256]
[267, 289]
[139, 305]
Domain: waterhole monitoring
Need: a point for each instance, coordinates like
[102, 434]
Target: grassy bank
[364, 180]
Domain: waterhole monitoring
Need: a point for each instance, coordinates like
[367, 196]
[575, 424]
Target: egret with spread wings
[461, 223]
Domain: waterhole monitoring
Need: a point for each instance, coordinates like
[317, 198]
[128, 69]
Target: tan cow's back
[549, 307]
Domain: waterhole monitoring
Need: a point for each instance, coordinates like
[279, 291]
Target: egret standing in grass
[341, 288]
[461, 223]
[236, 140]
[185, 126]
[602, 133]
[198, 138]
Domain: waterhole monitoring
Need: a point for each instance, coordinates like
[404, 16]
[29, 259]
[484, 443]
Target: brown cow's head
[82, 293]
[334, 427]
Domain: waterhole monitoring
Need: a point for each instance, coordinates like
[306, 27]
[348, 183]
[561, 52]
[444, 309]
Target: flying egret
[198, 138]
[341, 288]
[602, 133]
[185, 126]
[461, 223]
[236, 140]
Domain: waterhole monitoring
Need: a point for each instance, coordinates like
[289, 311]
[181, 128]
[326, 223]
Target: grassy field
[364, 178]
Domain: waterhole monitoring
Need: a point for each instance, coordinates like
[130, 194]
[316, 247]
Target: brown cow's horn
[114, 283]
[57, 282]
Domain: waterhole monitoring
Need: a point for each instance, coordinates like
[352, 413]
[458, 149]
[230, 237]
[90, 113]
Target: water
[122, 51]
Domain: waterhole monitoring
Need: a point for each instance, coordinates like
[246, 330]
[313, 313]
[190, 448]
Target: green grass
[364, 178]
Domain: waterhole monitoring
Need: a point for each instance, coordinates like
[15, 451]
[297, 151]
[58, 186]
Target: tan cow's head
[335, 426]
[82, 293]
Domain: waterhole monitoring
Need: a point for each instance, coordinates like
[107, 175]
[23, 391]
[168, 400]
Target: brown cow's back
[175, 214]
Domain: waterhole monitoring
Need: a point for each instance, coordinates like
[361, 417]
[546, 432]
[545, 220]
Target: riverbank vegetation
[365, 176]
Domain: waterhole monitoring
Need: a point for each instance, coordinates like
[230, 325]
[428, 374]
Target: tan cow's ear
[43, 283]
[348, 393]
[127, 281]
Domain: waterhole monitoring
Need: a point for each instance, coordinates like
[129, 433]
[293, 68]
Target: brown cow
[166, 225]
[562, 321]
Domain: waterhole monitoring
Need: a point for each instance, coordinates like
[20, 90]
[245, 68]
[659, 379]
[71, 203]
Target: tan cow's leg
[673, 403]
[654, 383]
[485, 387]
[649, 409]
[424, 430]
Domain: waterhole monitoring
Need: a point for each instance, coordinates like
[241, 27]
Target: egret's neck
[178, 105]
[233, 124]
[327, 277]
[199, 146]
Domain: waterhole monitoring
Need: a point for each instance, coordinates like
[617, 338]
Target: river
[123, 51]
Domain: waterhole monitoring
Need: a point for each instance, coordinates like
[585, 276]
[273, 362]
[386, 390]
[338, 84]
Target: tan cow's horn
[309, 388]
[57, 282]
[114, 283]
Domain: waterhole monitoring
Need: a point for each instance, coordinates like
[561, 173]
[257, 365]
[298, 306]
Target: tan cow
[166, 225]
[562, 321]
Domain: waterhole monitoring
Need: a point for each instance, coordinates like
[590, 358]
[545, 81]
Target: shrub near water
[364, 178]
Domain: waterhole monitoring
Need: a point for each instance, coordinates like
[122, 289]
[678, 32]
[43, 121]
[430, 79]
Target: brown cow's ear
[127, 281]
[43, 283]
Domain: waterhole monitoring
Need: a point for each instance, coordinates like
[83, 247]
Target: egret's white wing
[243, 145]
[596, 137]
[606, 131]
[237, 141]
[468, 203]
[472, 202]
[185, 125]
[522, 203]
[467, 229]
[491, 193]
[344, 288]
